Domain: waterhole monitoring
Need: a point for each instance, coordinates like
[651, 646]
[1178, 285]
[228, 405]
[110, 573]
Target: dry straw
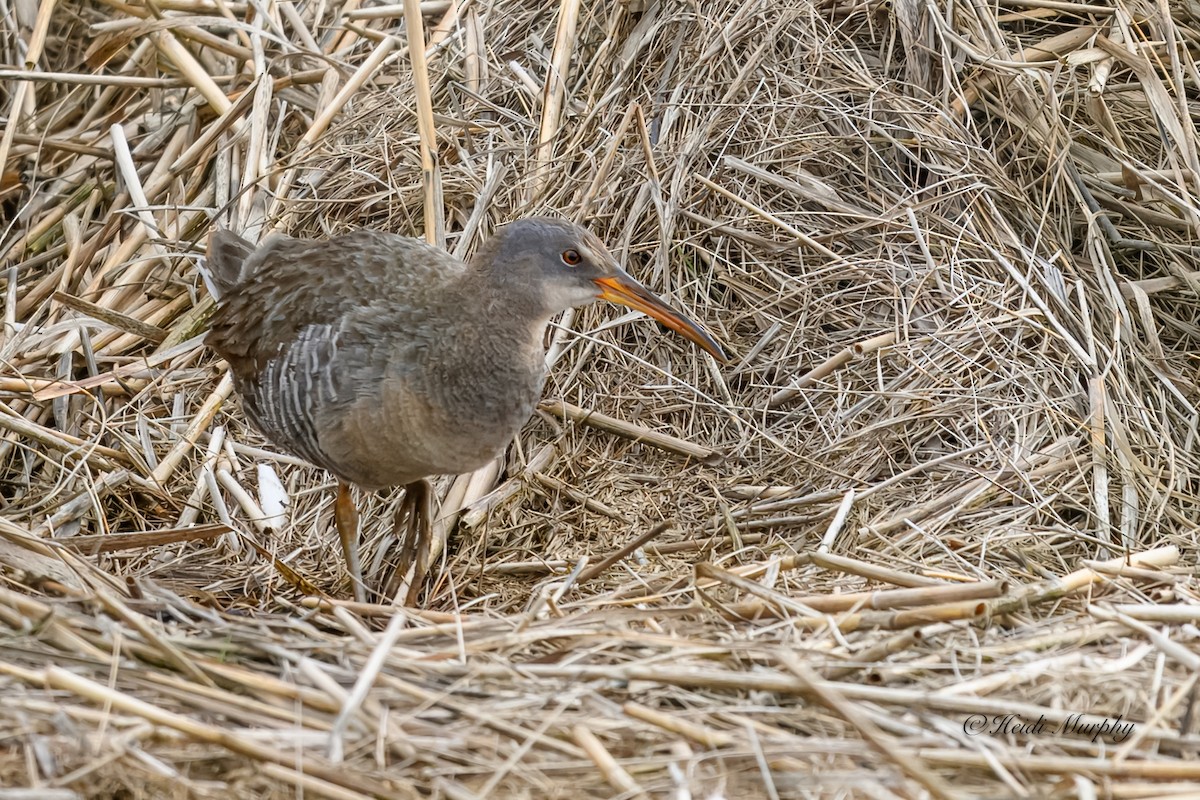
[950, 475]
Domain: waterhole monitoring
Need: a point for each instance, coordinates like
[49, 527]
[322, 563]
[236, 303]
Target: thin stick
[613, 558]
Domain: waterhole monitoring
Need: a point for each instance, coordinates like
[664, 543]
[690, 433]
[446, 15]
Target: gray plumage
[386, 360]
[221, 270]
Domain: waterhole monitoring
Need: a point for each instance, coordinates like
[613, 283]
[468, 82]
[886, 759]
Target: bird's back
[365, 355]
[269, 294]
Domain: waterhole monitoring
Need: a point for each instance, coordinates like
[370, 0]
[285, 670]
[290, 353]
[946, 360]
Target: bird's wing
[290, 284]
[313, 324]
[284, 399]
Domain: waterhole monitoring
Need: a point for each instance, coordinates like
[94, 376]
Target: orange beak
[623, 290]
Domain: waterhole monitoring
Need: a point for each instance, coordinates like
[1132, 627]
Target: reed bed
[931, 529]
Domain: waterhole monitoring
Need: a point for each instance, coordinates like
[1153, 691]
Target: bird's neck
[508, 313]
[509, 299]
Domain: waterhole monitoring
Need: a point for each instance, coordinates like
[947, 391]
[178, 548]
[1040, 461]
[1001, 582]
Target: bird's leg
[345, 514]
[414, 528]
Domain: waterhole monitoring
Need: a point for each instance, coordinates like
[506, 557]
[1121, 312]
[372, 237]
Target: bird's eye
[572, 258]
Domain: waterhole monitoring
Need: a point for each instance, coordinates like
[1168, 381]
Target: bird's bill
[623, 290]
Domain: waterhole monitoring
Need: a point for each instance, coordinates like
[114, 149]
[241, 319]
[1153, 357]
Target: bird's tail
[222, 266]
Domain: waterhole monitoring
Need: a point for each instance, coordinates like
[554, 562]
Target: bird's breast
[445, 416]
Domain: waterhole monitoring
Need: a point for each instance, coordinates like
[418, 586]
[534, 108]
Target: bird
[386, 360]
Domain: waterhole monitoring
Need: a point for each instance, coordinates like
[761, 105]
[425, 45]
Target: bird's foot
[413, 527]
[345, 515]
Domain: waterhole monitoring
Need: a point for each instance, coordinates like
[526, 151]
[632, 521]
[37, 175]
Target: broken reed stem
[879, 600]
[872, 572]
[831, 365]
[195, 74]
[855, 621]
[430, 179]
[116, 542]
[613, 772]
[702, 735]
[1055, 588]
[629, 430]
[124, 322]
[200, 422]
[1172, 649]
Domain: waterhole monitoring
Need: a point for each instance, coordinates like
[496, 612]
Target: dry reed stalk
[192, 433]
[477, 512]
[896, 620]
[75, 77]
[628, 430]
[125, 322]
[554, 92]
[801, 182]
[885, 599]
[387, 11]
[1170, 648]
[1041, 765]
[192, 71]
[617, 777]
[1054, 588]
[872, 572]
[697, 733]
[430, 178]
[857, 350]
[114, 542]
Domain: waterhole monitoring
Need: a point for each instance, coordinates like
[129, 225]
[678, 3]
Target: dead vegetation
[950, 476]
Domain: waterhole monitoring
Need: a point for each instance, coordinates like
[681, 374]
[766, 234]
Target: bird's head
[567, 265]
